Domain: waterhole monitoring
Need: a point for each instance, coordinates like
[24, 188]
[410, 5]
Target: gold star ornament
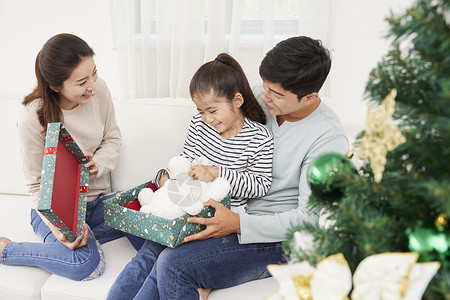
[381, 135]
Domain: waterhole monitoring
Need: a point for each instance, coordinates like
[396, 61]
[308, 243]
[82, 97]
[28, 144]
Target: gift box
[122, 213]
[64, 182]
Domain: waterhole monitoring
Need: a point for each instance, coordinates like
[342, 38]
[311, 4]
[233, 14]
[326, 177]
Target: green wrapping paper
[163, 231]
[64, 182]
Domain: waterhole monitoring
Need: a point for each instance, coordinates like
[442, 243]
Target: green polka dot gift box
[64, 182]
[122, 212]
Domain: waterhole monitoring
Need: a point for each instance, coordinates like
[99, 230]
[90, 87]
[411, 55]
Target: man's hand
[223, 223]
[93, 170]
[204, 173]
[79, 242]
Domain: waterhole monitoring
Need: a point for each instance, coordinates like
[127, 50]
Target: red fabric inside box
[66, 187]
[135, 203]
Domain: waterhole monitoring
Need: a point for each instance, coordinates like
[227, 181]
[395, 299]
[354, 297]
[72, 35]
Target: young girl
[228, 132]
[69, 91]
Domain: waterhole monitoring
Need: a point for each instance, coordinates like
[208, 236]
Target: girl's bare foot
[204, 293]
[3, 242]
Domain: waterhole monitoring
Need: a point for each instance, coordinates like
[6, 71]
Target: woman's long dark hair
[59, 56]
[224, 77]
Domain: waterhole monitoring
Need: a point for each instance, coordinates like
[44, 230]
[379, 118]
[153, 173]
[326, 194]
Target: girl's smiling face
[224, 116]
[79, 87]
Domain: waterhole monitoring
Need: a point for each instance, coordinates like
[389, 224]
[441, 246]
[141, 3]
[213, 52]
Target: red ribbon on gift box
[50, 150]
[84, 189]
[58, 224]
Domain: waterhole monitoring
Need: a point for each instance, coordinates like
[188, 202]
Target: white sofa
[153, 130]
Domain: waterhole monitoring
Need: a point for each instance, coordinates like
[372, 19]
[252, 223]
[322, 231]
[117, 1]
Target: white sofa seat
[117, 254]
[19, 282]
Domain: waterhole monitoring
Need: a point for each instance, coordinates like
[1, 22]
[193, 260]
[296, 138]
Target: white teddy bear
[181, 193]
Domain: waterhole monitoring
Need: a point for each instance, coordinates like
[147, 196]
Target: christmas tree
[398, 198]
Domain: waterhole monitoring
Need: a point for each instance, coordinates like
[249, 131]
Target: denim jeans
[56, 258]
[158, 272]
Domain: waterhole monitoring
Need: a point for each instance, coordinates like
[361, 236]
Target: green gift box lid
[64, 182]
[163, 231]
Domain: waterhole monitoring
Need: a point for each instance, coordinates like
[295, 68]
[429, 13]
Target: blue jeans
[158, 272]
[56, 258]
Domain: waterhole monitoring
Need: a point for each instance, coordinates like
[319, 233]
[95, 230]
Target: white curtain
[161, 43]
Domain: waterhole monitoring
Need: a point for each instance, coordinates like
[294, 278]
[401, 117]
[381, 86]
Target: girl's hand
[223, 223]
[163, 180]
[79, 242]
[93, 170]
[204, 173]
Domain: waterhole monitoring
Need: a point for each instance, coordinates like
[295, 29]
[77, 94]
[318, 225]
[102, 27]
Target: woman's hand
[223, 223]
[79, 242]
[93, 170]
[204, 173]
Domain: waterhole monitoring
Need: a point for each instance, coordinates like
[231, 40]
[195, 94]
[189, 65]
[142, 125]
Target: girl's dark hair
[224, 77]
[59, 56]
[300, 64]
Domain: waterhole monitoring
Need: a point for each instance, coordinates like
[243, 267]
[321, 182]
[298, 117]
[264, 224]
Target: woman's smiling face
[79, 87]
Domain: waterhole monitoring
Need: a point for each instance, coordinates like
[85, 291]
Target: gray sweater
[296, 144]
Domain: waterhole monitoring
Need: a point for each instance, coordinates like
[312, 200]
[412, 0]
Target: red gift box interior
[66, 187]
[135, 203]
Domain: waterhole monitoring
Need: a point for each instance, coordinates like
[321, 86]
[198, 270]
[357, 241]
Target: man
[236, 248]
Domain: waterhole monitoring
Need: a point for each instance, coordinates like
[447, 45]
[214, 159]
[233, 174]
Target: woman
[69, 91]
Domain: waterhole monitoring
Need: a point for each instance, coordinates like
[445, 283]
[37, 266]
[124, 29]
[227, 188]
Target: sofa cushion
[153, 131]
[19, 282]
[253, 290]
[117, 254]
[12, 181]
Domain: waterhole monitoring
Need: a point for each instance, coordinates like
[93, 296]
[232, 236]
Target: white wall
[25, 25]
[358, 44]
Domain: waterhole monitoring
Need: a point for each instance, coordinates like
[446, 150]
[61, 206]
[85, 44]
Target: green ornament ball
[326, 175]
[429, 242]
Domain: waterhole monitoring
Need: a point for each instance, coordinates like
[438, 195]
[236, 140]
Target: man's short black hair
[300, 64]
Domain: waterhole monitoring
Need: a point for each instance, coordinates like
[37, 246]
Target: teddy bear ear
[201, 160]
[145, 196]
[146, 209]
[179, 165]
[194, 209]
[219, 189]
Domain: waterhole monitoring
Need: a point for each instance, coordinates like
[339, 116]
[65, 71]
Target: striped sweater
[244, 160]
